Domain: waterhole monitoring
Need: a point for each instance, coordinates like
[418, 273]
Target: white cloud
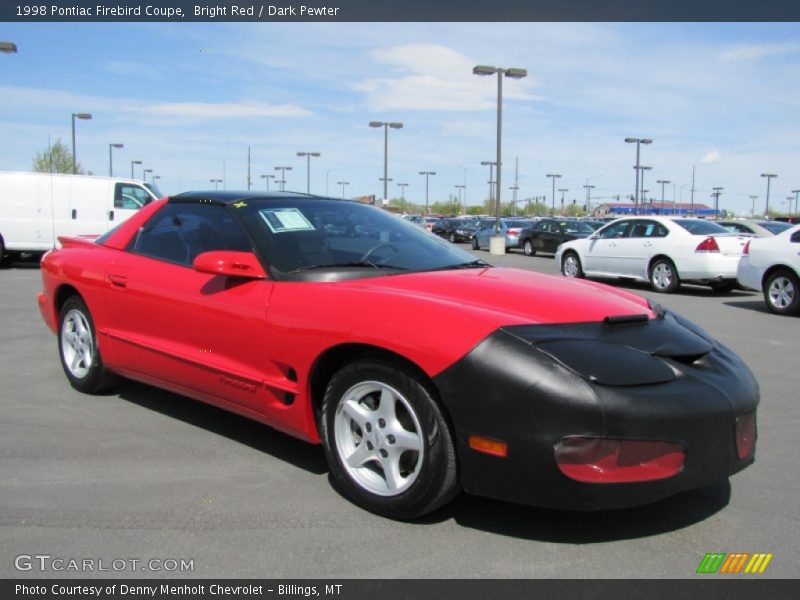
[225, 110]
[431, 77]
[758, 51]
[712, 157]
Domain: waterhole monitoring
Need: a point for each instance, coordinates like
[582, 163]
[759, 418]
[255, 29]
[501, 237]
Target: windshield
[775, 226]
[154, 188]
[298, 235]
[700, 227]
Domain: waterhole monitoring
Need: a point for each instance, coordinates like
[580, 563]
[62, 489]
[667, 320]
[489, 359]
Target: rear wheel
[386, 440]
[782, 292]
[475, 245]
[3, 258]
[528, 249]
[452, 238]
[77, 346]
[664, 276]
[571, 266]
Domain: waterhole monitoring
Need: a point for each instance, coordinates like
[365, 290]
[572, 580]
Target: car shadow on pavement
[260, 437]
[756, 305]
[575, 527]
[686, 289]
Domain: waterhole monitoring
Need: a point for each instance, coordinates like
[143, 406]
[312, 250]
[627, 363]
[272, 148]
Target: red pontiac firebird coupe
[421, 370]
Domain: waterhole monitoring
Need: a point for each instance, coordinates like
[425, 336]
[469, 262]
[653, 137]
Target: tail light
[605, 460]
[746, 435]
[514, 231]
[708, 245]
[746, 248]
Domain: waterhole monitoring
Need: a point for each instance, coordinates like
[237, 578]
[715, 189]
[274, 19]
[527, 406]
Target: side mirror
[244, 265]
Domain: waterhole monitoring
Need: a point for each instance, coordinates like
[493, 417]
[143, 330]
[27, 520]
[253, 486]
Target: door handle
[648, 243]
[118, 280]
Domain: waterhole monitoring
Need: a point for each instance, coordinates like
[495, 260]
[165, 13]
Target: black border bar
[402, 10]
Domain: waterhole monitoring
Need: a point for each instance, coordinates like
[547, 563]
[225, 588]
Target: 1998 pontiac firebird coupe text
[421, 370]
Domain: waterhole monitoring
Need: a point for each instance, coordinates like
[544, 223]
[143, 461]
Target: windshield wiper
[355, 263]
[473, 264]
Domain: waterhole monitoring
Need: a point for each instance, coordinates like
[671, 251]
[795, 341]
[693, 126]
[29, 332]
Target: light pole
[498, 245]
[768, 176]
[134, 162]
[427, 175]
[563, 191]
[663, 182]
[308, 156]
[386, 125]
[458, 208]
[110, 158]
[327, 182]
[266, 178]
[282, 180]
[491, 165]
[144, 174]
[216, 183]
[796, 195]
[716, 194]
[753, 200]
[85, 117]
[589, 189]
[156, 177]
[402, 187]
[554, 176]
[641, 188]
[638, 142]
[465, 184]
[342, 183]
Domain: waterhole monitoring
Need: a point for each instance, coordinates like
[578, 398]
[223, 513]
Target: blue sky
[187, 99]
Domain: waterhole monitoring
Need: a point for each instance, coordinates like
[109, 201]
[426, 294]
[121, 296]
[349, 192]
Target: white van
[35, 208]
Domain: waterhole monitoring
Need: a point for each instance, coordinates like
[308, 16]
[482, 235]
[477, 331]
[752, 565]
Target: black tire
[782, 292]
[475, 245]
[527, 248]
[664, 276]
[430, 478]
[452, 238]
[76, 328]
[571, 266]
[4, 260]
[723, 287]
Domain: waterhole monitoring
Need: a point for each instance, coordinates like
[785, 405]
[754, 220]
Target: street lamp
[386, 125]
[308, 156]
[458, 205]
[498, 244]
[282, 180]
[638, 142]
[716, 194]
[110, 158]
[589, 189]
[427, 175]
[641, 184]
[663, 182]
[85, 117]
[144, 174]
[554, 176]
[796, 194]
[562, 190]
[8, 47]
[342, 183]
[768, 176]
[216, 183]
[753, 209]
[402, 187]
[134, 162]
[491, 165]
[267, 178]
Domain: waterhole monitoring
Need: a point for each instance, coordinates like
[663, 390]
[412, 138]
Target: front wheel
[528, 249]
[475, 244]
[664, 276]
[387, 443]
[571, 266]
[782, 293]
[452, 238]
[77, 346]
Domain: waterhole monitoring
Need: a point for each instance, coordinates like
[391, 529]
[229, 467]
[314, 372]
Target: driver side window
[615, 230]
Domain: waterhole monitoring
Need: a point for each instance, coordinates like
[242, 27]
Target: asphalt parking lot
[144, 474]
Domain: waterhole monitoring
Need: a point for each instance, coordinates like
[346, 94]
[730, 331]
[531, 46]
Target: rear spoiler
[72, 241]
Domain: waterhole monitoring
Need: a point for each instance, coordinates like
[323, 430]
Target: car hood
[506, 296]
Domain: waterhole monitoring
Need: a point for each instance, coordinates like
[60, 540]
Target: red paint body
[244, 344]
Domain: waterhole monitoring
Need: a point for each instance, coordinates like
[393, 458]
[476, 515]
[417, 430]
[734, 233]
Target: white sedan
[772, 265]
[664, 251]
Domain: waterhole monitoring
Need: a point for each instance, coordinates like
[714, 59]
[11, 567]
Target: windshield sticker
[280, 220]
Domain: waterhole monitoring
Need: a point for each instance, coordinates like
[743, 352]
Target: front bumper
[508, 389]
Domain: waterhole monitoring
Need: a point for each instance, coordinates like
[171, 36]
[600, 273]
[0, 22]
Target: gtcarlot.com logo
[734, 563]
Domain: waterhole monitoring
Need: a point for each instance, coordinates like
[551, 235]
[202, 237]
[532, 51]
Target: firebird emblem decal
[240, 204]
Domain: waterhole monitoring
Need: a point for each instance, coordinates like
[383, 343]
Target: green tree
[56, 159]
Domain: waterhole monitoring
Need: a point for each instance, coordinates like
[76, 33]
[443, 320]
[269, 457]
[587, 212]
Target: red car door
[193, 331]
